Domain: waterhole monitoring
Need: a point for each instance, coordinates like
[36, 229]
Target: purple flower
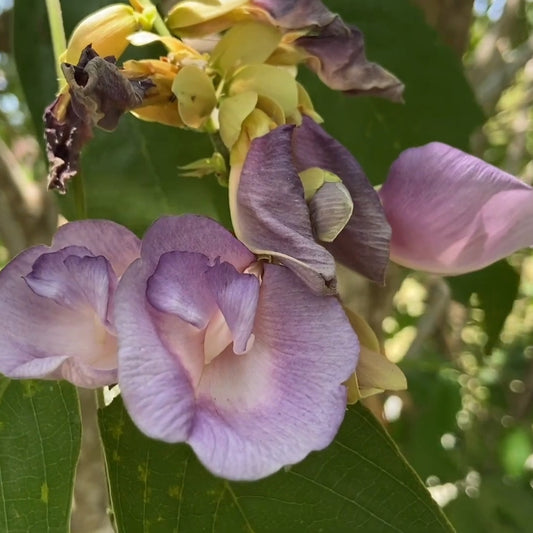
[274, 215]
[56, 305]
[449, 212]
[333, 49]
[453, 213]
[233, 356]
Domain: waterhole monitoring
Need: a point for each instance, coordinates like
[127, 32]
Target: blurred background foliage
[465, 344]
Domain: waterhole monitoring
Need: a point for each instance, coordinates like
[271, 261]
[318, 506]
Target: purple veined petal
[336, 50]
[270, 214]
[284, 398]
[103, 237]
[337, 56]
[296, 14]
[41, 336]
[178, 286]
[236, 295]
[363, 245]
[193, 233]
[453, 213]
[74, 278]
[156, 386]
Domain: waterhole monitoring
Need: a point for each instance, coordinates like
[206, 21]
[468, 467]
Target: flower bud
[107, 30]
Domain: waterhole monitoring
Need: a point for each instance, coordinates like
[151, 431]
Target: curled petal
[363, 244]
[236, 295]
[453, 213]
[270, 214]
[179, 287]
[335, 50]
[337, 55]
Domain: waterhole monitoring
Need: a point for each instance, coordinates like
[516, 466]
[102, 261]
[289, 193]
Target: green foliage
[40, 435]
[360, 483]
[496, 287]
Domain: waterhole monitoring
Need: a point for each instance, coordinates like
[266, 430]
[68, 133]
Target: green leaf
[439, 104]
[496, 287]
[40, 436]
[360, 483]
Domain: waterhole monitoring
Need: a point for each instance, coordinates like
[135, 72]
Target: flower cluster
[239, 343]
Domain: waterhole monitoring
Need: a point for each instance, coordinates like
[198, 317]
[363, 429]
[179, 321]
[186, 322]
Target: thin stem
[59, 41]
[79, 196]
[159, 24]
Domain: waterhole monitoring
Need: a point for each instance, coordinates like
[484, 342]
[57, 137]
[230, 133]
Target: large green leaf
[40, 435]
[360, 483]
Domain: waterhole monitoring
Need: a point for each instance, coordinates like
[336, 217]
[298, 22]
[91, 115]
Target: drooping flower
[56, 302]
[302, 199]
[453, 213]
[236, 357]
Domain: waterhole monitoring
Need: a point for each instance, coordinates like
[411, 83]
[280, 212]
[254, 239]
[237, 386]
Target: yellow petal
[272, 109]
[375, 373]
[364, 332]
[232, 113]
[266, 80]
[244, 44]
[196, 95]
[106, 29]
[193, 12]
[177, 47]
[313, 178]
[305, 105]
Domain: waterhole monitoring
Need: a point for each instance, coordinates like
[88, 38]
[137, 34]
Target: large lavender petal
[452, 213]
[236, 295]
[272, 217]
[103, 237]
[72, 277]
[193, 233]
[178, 286]
[284, 398]
[363, 244]
[156, 386]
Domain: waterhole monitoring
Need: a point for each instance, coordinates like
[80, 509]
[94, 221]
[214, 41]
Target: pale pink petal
[452, 213]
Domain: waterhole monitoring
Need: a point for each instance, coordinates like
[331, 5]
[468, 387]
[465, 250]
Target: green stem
[59, 42]
[79, 196]
[159, 24]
